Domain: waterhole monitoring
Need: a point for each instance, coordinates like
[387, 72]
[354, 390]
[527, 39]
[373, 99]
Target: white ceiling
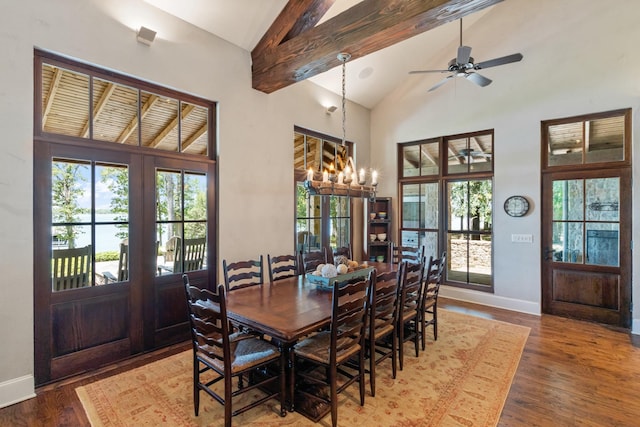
[369, 79]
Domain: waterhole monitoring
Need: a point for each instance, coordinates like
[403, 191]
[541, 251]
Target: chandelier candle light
[347, 182]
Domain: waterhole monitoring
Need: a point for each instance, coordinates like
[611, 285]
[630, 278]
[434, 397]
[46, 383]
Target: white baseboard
[635, 326]
[16, 390]
[491, 300]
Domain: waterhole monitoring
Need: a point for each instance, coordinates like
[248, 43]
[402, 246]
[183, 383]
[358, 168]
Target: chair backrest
[410, 288]
[71, 268]
[310, 260]
[344, 251]
[123, 263]
[194, 250]
[383, 310]
[242, 274]
[210, 327]
[348, 316]
[407, 253]
[282, 266]
[434, 273]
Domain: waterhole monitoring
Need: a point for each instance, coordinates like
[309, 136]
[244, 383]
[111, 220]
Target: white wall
[579, 57]
[255, 137]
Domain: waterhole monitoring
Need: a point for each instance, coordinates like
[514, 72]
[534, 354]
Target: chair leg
[435, 322]
[283, 382]
[372, 365]
[333, 375]
[228, 384]
[423, 331]
[361, 375]
[394, 356]
[196, 385]
[416, 336]
[401, 343]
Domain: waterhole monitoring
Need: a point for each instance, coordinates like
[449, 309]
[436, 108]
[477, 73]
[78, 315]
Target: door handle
[548, 254]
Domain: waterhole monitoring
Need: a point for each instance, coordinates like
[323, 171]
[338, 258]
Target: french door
[586, 259]
[125, 295]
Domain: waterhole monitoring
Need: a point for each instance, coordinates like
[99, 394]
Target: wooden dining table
[286, 310]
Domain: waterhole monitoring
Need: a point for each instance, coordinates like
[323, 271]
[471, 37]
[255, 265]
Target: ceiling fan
[463, 66]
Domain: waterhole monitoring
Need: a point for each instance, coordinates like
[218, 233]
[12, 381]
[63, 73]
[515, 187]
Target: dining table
[287, 310]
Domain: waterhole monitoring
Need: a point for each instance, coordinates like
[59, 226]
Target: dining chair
[242, 274]
[407, 253]
[309, 261]
[282, 266]
[329, 351]
[381, 333]
[344, 251]
[218, 349]
[70, 268]
[434, 273]
[408, 323]
[123, 267]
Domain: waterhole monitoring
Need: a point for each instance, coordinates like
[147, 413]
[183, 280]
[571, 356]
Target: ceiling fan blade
[464, 53]
[498, 61]
[440, 83]
[478, 79]
[427, 71]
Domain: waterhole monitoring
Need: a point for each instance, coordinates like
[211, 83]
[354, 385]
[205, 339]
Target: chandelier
[349, 181]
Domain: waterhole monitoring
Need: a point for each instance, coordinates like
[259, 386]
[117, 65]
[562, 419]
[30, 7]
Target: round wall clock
[516, 206]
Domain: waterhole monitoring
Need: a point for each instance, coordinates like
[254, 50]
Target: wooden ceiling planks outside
[294, 48]
[115, 113]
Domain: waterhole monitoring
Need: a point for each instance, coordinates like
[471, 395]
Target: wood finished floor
[571, 374]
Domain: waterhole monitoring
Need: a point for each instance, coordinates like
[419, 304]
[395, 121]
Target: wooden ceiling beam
[102, 102]
[367, 27]
[171, 126]
[133, 124]
[53, 90]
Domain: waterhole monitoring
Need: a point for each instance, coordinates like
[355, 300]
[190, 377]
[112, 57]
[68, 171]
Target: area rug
[462, 379]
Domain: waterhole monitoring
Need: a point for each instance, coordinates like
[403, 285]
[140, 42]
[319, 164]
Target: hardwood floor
[571, 373]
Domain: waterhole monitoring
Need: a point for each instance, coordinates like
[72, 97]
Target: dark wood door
[586, 258]
[118, 304]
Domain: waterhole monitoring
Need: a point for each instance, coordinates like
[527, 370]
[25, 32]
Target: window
[446, 203]
[321, 221]
[90, 204]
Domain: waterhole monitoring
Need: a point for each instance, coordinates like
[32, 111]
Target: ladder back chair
[407, 253]
[433, 279]
[71, 268]
[332, 350]
[220, 354]
[344, 251]
[282, 266]
[309, 261]
[381, 334]
[242, 274]
[409, 305]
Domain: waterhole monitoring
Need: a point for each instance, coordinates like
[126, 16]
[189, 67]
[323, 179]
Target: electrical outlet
[522, 238]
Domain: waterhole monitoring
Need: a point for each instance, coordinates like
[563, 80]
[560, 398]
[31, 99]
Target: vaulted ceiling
[294, 48]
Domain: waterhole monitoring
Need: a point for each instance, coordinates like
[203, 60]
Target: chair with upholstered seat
[70, 268]
[242, 274]
[344, 251]
[282, 266]
[407, 253]
[220, 354]
[434, 273]
[320, 358]
[310, 260]
[381, 333]
[409, 307]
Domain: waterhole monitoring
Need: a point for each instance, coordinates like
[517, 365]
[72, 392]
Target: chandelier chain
[344, 57]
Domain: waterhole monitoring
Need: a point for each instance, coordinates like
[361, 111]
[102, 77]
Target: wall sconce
[331, 109]
[146, 36]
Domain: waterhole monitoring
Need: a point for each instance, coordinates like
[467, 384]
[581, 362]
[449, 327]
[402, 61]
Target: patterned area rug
[460, 380]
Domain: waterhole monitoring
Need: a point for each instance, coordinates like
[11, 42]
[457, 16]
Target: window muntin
[120, 113]
[434, 191]
[577, 141]
[586, 221]
[90, 208]
[321, 221]
[181, 220]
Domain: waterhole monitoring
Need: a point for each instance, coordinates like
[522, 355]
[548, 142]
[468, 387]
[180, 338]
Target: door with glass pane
[586, 245]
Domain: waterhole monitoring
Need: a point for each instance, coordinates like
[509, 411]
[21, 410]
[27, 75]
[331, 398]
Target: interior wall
[579, 58]
[255, 134]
